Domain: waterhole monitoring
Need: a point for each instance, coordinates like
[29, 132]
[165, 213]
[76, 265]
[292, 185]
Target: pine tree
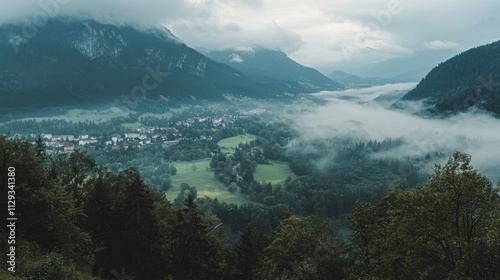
[139, 250]
[247, 254]
[40, 149]
[195, 256]
[101, 224]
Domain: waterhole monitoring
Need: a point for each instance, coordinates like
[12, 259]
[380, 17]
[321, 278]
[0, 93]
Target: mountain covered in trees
[79, 62]
[267, 64]
[468, 80]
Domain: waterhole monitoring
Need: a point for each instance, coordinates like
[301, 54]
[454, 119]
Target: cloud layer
[363, 119]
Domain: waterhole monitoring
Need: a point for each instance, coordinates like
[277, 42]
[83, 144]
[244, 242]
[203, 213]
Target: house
[132, 135]
[47, 136]
[203, 137]
[83, 142]
[67, 137]
[68, 147]
[115, 147]
[83, 137]
[116, 138]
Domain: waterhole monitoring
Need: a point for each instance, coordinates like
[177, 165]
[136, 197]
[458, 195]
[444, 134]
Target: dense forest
[78, 220]
[467, 80]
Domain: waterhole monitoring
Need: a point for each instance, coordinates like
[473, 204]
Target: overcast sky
[325, 34]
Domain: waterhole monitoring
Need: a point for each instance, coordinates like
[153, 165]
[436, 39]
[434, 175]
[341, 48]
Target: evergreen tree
[101, 223]
[195, 257]
[41, 149]
[247, 254]
[139, 249]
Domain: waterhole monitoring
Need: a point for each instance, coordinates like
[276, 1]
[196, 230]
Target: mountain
[79, 62]
[354, 81]
[410, 68]
[260, 63]
[470, 79]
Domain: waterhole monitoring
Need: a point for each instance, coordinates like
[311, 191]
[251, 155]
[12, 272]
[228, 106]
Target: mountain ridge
[470, 79]
[262, 62]
[78, 62]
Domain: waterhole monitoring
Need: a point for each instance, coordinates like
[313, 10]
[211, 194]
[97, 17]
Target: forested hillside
[470, 79]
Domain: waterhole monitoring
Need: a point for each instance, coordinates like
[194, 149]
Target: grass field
[167, 115]
[233, 142]
[204, 182]
[132, 125]
[76, 115]
[274, 173]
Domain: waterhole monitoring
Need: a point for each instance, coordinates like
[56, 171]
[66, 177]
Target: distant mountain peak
[275, 64]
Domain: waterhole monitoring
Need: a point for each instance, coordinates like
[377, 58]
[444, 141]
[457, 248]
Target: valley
[249, 140]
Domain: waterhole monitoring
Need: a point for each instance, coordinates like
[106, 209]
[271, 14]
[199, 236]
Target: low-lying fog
[365, 114]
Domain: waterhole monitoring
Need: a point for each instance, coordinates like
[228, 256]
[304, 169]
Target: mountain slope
[410, 68]
[470, 79]
[275, 64]
[354, 81]
[75, 62]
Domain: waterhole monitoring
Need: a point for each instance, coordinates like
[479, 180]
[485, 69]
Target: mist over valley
[242, 140]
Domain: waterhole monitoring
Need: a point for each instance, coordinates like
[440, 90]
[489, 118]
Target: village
[165, 136]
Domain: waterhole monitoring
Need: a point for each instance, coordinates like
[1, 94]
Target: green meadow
[274, 173]
[76, 115]
[166, 115]
[234, 141]
[203, 179]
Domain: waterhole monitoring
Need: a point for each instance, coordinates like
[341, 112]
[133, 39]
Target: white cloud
[217, 37]
[236, 59]
[476, 134]
[442, 45]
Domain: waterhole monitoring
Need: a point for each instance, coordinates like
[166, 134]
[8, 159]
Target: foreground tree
[439, 231]
[304, 248]
[248, 254]
[47, 216]
[139, 250]
[195, 255]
